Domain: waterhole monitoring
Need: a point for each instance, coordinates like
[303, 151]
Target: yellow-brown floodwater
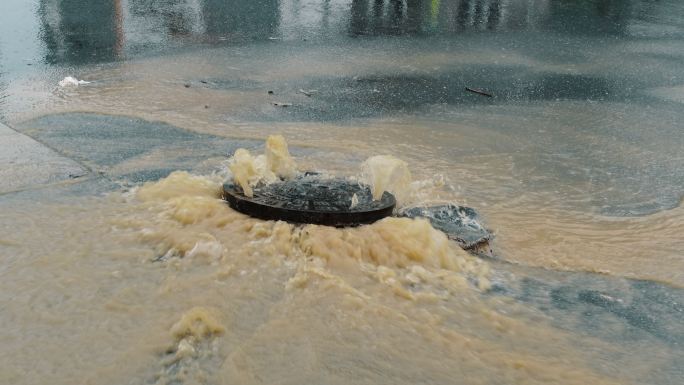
[521, 166]
[575, 165]
[167, 284]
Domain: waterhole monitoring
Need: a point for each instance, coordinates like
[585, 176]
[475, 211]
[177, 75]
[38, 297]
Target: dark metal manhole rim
[338, 218]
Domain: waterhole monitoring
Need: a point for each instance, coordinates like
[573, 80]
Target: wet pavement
[154, 148]
[26, 163]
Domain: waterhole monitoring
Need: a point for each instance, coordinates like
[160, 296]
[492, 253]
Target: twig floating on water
[479, 92]
[307, 93]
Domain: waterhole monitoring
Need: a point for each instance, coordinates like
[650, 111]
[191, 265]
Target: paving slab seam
[26, 163]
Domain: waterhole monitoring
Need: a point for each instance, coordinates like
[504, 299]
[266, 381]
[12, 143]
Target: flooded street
[120, 263]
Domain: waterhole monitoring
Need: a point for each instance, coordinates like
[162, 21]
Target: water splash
[276, 163]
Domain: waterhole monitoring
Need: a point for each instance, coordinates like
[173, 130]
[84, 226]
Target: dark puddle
[622, 311]
[370, 96]
[643, 308]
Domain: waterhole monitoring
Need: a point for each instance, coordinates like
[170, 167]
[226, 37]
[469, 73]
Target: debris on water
[186, 85]
[281, 104]
[459, 223]
[270, 92]
[307, 92]
[70, 81]
[204, 82]
[479, 92]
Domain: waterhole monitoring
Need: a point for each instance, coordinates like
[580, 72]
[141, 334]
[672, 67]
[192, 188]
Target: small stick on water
[307, 93]
[479, 92]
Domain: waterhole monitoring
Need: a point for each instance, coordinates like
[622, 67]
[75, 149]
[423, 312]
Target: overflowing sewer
[339, 202]
[270, 187]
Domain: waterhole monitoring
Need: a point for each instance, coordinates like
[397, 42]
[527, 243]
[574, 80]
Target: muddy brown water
[138, 273]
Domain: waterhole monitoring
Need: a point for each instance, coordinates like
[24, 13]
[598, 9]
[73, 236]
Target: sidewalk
[26, 163]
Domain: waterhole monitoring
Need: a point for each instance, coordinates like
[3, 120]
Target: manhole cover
[312, 199]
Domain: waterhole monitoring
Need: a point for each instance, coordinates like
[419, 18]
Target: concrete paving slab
[131, 149]
[26, 163]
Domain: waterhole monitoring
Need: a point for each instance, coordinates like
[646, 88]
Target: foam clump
[278, 159]
[276, 163]
[198, 322]
[71, 81]
[179, 184]
[244, 169]
[395, 242]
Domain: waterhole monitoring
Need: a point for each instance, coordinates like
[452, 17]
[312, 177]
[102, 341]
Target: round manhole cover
[312, 199]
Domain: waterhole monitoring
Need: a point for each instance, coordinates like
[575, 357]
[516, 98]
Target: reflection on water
[251, 19]
[612, 17]
[75, 31]
[434, 16]
[173, 17]
[81, 31]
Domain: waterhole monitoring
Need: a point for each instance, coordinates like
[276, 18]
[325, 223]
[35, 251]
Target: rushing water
[136, 272]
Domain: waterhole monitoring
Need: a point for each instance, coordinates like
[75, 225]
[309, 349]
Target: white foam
[70, 81]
